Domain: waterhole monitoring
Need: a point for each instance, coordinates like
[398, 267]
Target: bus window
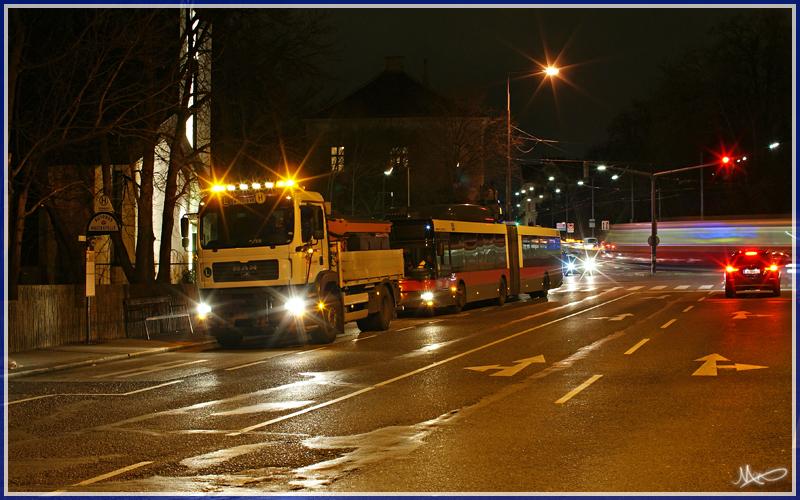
[471, 262]
[457, 252]
[500, 251]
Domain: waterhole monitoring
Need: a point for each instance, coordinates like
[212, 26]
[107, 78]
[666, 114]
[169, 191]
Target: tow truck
[271, 257]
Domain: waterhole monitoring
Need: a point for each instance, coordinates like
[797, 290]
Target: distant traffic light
[725, 160]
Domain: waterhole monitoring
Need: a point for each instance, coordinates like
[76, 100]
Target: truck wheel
[332, 323]
[228, 340]
[502, 293]
[382, 319]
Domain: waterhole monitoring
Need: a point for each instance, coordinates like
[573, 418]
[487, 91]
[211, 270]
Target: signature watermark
[747, 477]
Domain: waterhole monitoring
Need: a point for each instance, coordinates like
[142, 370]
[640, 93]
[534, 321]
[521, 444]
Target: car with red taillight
[754, 270]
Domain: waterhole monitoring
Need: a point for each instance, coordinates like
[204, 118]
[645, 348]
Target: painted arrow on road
[614, 318]
[507, 371]
[710, 367]
[744, 315]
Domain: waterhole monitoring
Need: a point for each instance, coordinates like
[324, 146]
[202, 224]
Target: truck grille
[256, 270]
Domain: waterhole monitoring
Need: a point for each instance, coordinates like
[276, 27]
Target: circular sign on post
[102, 223]
[650, 240]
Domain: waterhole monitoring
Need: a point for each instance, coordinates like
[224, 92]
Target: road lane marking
[701, 299]
[425, 368]
[96, 394]
[706, 287]
[710, 367]
[659, 287]
[149, 369]
[633, 349]
[112, 474]
[578, 389]
[406, 328]
[635, 288]
[668, 323]
[681, 287]
[687, 309]
[507, 371]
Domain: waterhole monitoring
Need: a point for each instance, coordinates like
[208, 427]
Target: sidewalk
[38, 361]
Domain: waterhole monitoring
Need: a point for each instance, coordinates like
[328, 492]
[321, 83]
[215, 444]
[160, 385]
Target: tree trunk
[145, 265]
[116, 238]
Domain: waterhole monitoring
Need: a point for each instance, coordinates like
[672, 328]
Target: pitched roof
[391, 94]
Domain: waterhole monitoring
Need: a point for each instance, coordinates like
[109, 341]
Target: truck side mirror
[185, 242]
[185, 228]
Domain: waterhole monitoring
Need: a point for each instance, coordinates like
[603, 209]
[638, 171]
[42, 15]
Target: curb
[108, 359]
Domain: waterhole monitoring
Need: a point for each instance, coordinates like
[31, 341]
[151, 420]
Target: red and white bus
[456, 254]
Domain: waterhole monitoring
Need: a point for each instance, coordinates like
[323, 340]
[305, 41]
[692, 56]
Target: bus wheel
[502, 293]
[332, 323]
[545, 285]
[461, 298]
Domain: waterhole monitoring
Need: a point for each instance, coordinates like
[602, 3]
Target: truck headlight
[203, 310]
[589, 265]
[296, 306]
[427, 296]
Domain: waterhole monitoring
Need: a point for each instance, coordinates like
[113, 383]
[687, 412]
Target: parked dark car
[754, 270]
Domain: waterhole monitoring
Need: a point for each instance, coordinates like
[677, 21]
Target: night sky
[608, 58]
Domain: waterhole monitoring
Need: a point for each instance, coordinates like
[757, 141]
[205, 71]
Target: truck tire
[228, 340]
[383, 318]
[332, 320]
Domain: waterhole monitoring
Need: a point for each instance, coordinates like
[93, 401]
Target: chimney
[425, 72]
[394, 64]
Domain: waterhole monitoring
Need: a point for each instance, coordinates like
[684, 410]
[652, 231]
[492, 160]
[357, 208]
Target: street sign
[606, 225]
[561, 226]
[102, 223]
[591, 223]
[570, 227]
[102, 203]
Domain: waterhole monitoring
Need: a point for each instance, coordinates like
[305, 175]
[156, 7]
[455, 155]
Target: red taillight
[731, 269]
[773, 267]
[751, 253]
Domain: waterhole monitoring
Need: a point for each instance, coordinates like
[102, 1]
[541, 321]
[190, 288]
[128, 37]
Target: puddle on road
[381, 444]
[264, 407]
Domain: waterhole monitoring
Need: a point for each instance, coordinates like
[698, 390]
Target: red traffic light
[725, 159]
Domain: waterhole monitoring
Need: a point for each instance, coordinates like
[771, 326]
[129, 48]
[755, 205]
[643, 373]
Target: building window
[337, 158]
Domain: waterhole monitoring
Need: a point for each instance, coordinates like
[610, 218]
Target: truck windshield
[246, 224]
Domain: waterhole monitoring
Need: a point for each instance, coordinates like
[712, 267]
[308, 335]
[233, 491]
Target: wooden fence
[53, 315]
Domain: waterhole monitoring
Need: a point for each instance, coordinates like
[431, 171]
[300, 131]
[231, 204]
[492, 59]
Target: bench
[148, 309]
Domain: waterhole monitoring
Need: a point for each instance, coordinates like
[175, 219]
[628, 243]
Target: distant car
[591, 243]
[754, 270]
[580, 262]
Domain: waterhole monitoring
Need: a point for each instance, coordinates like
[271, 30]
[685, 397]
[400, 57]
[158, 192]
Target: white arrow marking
[744, 315]
[507, 371]
[620, 317]
[709, 368]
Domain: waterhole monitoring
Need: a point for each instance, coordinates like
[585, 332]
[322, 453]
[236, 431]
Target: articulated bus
[456, 254]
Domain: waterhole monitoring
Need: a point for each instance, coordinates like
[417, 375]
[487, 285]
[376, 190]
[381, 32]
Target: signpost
[103, 222]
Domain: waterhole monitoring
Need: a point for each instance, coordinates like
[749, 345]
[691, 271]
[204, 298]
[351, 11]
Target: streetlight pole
[549, 71]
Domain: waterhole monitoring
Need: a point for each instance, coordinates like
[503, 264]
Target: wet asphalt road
[622, 382]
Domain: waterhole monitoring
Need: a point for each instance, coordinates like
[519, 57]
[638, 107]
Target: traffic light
[725, 160]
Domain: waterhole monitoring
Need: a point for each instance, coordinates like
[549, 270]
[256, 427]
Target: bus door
[512, 247]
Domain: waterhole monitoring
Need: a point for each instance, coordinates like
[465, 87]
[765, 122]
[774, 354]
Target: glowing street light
[549, 71]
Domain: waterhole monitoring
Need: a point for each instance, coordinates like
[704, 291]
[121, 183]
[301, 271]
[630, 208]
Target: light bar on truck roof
[219, 188]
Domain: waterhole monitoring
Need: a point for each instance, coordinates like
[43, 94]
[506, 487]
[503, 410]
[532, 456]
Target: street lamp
[549, 71]
[386, 174]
